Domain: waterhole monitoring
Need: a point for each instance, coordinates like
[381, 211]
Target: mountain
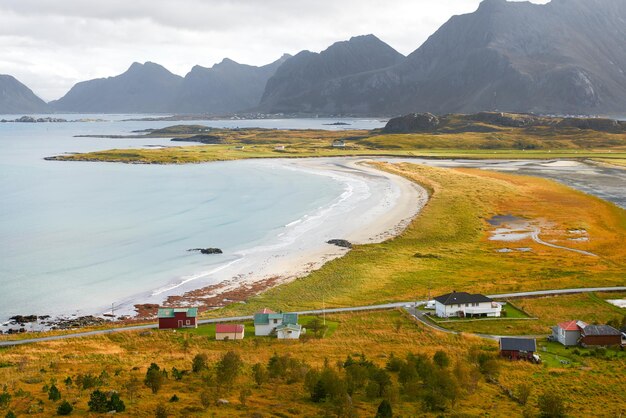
[567, 56]
[15, 97]
[143, 88]
[300, 84]
[224, 88]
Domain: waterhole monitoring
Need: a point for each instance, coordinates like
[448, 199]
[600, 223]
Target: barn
[594, 335]
[518, 348]
[173, 318]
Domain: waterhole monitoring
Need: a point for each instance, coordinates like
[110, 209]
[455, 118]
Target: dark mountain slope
[225, 87]
[143, 88]
[297, 83]
[15, 97]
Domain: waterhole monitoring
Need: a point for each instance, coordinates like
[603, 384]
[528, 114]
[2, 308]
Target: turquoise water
[76, 237]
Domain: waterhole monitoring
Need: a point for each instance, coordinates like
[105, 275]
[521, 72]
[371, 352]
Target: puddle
[498, 220]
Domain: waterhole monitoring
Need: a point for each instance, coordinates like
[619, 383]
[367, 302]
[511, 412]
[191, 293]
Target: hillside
[224, 88]
[565, 57]
[15, 97]
[299, 85]
[143, 88]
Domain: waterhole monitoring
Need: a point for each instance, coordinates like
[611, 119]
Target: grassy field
[447, 247]
[509, 143]
[26, 369]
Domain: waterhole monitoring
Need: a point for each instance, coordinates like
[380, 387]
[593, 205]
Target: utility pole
[324, 309]
[113, 308]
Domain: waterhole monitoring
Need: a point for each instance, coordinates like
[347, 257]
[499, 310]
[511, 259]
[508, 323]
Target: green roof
[170, 312]
[286, 318]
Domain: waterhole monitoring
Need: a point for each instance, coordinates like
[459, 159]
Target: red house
[603, 335]
[518, 348]
[172, 318]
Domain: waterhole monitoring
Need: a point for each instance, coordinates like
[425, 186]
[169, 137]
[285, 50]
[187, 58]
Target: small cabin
[288, 331]
[568, 333]
[339, 143]
[279, 148]
[229, 332]
[268, 322]
[173, 318]
[519, 348]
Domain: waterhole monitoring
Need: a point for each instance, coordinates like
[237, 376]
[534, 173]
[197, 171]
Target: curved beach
[373, 207]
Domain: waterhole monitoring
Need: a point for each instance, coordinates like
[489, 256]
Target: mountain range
[564, 57]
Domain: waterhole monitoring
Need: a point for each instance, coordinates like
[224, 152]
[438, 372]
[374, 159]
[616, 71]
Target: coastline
[397, 205]
[375, 206]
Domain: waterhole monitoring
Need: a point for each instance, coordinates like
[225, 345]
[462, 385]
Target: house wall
[568, 338]
[284, 334]
[261, 330]
[601, 340]
[445, 311]
[173, 323]
[516, 355]
[230, 335]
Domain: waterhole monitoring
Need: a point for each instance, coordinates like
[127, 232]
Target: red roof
[569, 326]
[228, 328]
[266, 311]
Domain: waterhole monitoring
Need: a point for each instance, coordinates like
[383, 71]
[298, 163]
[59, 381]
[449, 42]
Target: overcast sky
[49, 45]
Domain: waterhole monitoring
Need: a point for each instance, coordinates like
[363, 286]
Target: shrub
[98, 401]
[10, 414]
[174, 398]
[551, 405]
[199, 363]
[65, 408]
[260, 374]
[5, 398]
[116, 404]
[154, 378]
[228, 368]
[523, 392]
[394, 363]
[161, 411]
[441, 359]
[54, 394]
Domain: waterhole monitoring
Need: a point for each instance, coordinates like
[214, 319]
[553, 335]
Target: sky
[50, 45]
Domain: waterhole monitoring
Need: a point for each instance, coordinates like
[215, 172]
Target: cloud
[51, 45]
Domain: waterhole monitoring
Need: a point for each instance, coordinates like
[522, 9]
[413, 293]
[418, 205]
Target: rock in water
[207, 250]
[340, 243]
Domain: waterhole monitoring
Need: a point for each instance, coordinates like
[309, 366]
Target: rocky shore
[30, 323]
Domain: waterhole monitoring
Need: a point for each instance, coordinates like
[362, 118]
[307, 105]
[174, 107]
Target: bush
[199, 363]
[229, 368]
[161, 411]
[174, 398]
[98, 402]
[54, 394]
[10, 414]
[116, 404]
[551, 405]
[441, 359]
[523, 392]
[260, 374]
[5, 398]
[65, 408]
[394, 363]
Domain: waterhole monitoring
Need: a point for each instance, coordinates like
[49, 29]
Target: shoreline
[377, 206]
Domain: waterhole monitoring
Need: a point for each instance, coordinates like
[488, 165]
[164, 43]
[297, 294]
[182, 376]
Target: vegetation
[460, 140]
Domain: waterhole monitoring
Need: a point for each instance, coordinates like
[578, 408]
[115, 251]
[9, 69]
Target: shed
[172, 318]
[229, 332]
[339, 143]
[288, 331]
[518, 348]
[600, 335]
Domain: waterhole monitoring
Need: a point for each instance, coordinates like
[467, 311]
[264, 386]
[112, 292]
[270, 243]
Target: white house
[462, 304]
[339, 143]
[288, 331]
[568, 333]
[267, 322]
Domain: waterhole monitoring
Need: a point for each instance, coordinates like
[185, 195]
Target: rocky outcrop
[207, 250]
[414, 122]
[340, 243]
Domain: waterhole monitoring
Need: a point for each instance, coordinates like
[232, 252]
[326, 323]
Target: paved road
[535, 237]
[315, 311]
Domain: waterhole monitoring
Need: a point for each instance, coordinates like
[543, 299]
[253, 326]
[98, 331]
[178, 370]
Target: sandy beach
[375, 206]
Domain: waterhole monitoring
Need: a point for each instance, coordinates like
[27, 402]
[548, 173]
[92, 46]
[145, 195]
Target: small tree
[551, 405]
[68, 382]
[132, 387]
[229, 368]
[10, 414]
[199, 363]
[260, 374]
[116, 404]
[384, 410]
[98, 401]
[54, 394]
[65, 408]
[441, 359]
[154, 378]
[5, 398]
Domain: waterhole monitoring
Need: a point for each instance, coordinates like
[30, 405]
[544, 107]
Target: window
[467, 305]
[188, 322]
[276, 321]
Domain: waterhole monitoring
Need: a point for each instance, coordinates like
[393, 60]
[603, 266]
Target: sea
[79, 237]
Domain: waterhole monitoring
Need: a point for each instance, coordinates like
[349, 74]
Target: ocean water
[77, 237]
